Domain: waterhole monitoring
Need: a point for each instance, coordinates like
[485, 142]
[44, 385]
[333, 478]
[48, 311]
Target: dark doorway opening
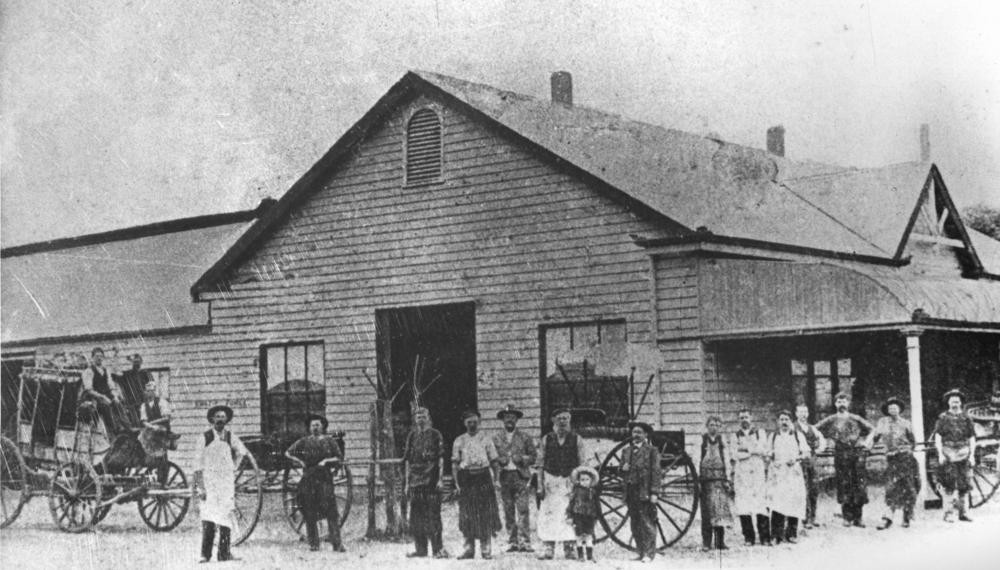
[428, 353]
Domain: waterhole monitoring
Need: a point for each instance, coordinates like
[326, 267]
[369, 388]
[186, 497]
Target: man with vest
[516, 454]
[642, 475]
[561, 452]
[955, 441]
[815, 440]
[156, 437]
[99, 387]
[219, 453]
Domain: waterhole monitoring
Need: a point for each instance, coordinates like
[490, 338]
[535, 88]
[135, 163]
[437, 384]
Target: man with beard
[955, 440]
[560, 453]
[423, 459]
[642, 476]
[749, 477]
[316, 496]
[516, 454]
[214, 482]
[850, 451]
[475, 457]
[815, 440]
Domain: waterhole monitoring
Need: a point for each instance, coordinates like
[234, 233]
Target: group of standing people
[768, 480]
[486, 465]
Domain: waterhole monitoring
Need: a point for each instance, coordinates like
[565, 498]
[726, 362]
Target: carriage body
[677, 503]
[61, 449]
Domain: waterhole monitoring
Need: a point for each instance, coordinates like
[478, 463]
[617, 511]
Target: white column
[916, 402]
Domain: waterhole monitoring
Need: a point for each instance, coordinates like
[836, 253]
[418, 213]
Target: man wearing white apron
[786, 490]
[219, 452]
[561, 452]
[749, 476]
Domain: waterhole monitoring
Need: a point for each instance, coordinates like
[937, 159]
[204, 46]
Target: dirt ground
[122, 541]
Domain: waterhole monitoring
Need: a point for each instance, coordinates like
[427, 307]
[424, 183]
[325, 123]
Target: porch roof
[741, 296]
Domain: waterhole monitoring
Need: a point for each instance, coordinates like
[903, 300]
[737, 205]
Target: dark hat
[953, 392]
[893, 400]
[842, 395]
[469, 414]
[313, 417]
[558, 411]
[510, 409]
[220, 408]
[786, 412]
[645, 427]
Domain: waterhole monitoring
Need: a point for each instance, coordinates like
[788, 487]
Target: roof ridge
[136, 232]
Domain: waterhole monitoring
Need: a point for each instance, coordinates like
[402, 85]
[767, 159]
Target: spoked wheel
[343, 491]
[249, 498]
[985, 475]
[675, 510]
[75, 496]
[14, 490]
[163, 507]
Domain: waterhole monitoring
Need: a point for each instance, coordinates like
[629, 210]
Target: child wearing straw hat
[582, 510]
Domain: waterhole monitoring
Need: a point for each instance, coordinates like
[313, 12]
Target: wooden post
[372, 531]
[392, 524]
[916, 401]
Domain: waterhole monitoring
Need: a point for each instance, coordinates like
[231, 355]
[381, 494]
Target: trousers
[208, 537]
[514, 495]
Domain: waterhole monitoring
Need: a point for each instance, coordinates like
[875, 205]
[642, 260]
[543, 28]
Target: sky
[114, 114]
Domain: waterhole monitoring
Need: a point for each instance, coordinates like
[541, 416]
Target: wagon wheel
[162, 509]
[675, 510]
[75, 496]
[343, 491]
[14, 490]
[985, 476]
[249, 498]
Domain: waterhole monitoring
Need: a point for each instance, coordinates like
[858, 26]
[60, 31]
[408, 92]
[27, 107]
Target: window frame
[263, 378]
[545, 408]
[439, 114]
[836, 380]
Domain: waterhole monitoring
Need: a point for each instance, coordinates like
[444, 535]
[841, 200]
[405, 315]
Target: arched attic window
[423, 148]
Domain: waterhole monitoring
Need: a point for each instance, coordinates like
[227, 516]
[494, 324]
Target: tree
[984, 218]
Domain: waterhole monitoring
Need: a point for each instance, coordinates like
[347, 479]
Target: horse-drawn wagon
[62, 450]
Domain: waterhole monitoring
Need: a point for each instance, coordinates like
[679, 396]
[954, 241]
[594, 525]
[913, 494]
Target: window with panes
[292, 386]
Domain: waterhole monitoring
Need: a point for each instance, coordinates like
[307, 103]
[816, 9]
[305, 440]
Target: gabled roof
[129, 281]
[682, 180]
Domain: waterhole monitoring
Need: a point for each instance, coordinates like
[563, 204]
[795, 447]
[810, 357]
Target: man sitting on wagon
[156, 437]
[99, 388]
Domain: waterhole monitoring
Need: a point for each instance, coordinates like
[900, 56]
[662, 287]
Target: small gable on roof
[935, 230]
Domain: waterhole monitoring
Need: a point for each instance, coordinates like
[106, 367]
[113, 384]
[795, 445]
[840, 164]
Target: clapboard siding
[741, 375]
[681, 387]
[677, 299]
[527, 242]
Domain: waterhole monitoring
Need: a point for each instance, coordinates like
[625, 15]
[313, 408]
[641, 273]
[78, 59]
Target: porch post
[916, 402]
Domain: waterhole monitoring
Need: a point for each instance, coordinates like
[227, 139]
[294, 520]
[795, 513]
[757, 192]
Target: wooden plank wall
[676, 305]
[529, 244]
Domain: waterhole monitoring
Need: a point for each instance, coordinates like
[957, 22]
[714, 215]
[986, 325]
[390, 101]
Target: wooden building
[125, 291]
[504, 249]
[481, 239]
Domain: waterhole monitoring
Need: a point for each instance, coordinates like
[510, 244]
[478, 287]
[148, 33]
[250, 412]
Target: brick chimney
[776, 140]
[562, 88]
[925, 143]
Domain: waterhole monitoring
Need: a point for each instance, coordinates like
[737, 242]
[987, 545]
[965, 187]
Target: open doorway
[429, 352]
